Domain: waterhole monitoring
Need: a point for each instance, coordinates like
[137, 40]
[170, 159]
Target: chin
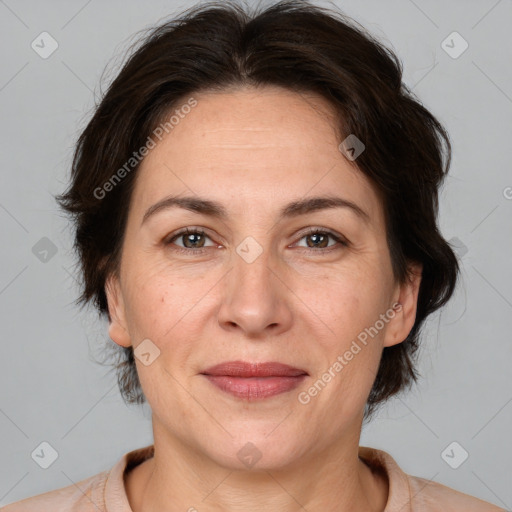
[256, 449]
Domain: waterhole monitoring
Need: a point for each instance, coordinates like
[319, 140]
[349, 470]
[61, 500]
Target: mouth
[254, 381]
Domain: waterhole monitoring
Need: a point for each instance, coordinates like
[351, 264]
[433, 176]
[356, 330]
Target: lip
[254, 381]
[243, 369]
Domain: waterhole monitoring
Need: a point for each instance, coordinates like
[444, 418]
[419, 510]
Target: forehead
[274, 120]
[261, 144]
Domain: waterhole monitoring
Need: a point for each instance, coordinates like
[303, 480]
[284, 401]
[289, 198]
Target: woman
[262, 322]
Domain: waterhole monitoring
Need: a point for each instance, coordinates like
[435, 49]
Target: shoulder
[409, 493]
[428, 495]
[99, 493]
[84, 496]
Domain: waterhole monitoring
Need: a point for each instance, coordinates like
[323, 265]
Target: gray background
[51, 388]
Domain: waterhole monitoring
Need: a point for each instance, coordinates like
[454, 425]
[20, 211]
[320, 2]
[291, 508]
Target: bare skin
[301, 302]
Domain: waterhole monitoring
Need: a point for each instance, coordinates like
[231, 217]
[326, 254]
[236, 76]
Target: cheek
[350, 354]
[349, 302]
[148, 304]
[164, 304]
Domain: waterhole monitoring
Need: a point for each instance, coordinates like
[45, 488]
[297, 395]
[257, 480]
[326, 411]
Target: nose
[256, 299]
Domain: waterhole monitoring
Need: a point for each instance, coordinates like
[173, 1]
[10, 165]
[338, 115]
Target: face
[268, 281]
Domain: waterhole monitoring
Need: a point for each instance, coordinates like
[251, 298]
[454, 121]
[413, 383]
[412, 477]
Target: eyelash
[310, 232]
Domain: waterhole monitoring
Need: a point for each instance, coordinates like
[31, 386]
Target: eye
[193, 240]
[319, 240]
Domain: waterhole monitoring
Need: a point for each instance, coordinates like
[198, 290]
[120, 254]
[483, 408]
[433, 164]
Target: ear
[117, 328]
[405, 313]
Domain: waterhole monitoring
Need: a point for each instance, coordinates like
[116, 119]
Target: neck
[184, 479]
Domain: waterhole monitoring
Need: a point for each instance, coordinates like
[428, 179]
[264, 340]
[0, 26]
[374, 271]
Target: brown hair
[301, 47]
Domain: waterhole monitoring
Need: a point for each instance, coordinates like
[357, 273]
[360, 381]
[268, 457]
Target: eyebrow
[294, 209]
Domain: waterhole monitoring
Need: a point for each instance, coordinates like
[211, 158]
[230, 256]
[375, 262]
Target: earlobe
[117, 328]
[405, 313]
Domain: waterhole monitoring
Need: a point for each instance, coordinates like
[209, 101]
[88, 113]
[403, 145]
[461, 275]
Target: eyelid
[318, 229]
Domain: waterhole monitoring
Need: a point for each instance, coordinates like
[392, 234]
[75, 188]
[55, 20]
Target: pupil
[316, 236]
[191, 236]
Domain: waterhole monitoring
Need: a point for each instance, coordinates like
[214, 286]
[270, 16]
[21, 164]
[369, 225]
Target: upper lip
[245, 369]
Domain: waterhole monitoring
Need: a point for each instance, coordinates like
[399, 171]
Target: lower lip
[254, 388]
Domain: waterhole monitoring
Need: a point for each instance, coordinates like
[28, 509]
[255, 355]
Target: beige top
[105, 492]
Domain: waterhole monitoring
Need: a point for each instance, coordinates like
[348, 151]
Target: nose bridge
[254, 297]
[252, 265]
[252, 275]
